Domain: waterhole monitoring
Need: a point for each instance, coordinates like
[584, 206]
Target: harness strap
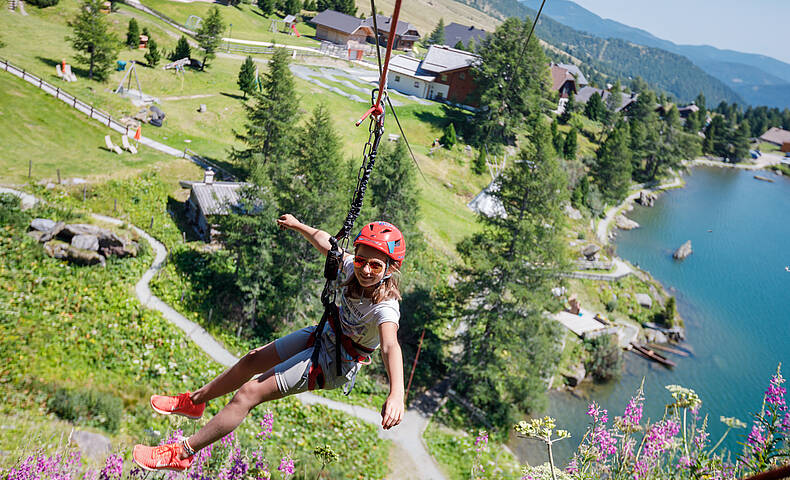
[359, 352]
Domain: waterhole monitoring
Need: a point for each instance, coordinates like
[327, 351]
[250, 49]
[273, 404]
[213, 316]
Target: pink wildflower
[228, 439]
[684, 462]
[572, 467]
[756, 438]
[599, 414]
[605, 442]
[267, 425]
[286, 466]
[775, 394]
[481, 442]
[633, 411]
[113, 468]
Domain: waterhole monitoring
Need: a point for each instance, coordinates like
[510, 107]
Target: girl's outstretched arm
[392, 410]
[319, 238]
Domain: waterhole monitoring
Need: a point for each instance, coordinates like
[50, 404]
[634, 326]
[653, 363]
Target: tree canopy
[96, 46]
[209, 34]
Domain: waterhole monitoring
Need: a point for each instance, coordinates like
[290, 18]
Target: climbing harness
[340, 242]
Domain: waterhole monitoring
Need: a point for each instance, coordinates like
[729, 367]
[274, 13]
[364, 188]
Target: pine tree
[557, 139]
[247, 80]
[269, 132]
[292, 7]
[96, 46]
[740, 142]
[595, 109]
[449, 139]
[209, 34]
[183, 50]
[133, 34]
[571, 144]
[613, 164]
[145, 32]
[437, 35]
[509, 89]
[267, 7]
[152, 56]
[471, 46]
[509, 269]
[459, 45]
[479, 165]
[394, 191]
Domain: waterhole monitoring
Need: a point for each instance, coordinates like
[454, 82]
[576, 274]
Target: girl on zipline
[368, 316]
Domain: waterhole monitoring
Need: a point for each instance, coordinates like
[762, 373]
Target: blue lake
[733, 293]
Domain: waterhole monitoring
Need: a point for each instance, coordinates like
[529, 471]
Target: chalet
[340, 28]
[778, 137]
[444, 74]
[626, 99]
[405, 33]
[455, 32]
[687, 110]
[207, 199]
[566, 78]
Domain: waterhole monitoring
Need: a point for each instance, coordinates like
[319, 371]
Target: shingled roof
[216, 198]
[384, 23]
[776, 135]
[337, 21]
[455, 32]
[441, 58]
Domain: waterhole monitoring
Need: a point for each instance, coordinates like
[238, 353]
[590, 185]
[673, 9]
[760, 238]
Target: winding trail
[418, 464]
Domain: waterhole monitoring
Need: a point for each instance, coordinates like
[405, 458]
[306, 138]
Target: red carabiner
[377, 110]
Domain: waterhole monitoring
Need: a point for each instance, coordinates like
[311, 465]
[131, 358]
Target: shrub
[449, 139]
[183, 50]
[90, 407]
[611, 305]
[605, 359]
[133, 34]
[11, 211]
[152, 56]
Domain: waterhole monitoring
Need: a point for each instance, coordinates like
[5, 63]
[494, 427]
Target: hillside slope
[759, 79]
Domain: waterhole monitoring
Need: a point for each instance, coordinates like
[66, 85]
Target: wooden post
[58, 176]
[84, 192]
[57, 92]
[91, 111]
[40, 82]
[184, 235]
[114, 205]
[29, 168]
[74, 104]
[152, 224]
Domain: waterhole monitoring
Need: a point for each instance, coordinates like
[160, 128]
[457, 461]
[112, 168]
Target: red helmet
[384, 237]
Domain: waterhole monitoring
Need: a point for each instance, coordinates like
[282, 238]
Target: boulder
[624, 223]
[84, 257]
[572, 213]
[73, 229]
[655, 336]
[644, 299]
[591, 251]
[85, 242]
[92, 445]
[42, 224]
[127, 250]
[683, 251]
[575, 375]
[56, 249]
[52, 232]
[646, 199]
[36, 234]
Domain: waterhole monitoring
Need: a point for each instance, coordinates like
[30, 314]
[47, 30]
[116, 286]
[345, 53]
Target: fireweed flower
[199, 462]
[286, 466]
[267, 425]
[775, 394]
[173, 437]
[604, 441]
[572, 467]
[658, 439]
[757, 439]
[481, 442]
[597, 413]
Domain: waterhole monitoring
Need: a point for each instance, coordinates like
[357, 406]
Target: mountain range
[757, 79]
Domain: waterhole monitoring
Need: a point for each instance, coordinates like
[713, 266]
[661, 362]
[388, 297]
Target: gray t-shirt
[360, 317]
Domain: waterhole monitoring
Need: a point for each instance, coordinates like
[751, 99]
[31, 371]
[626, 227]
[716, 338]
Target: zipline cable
[403, 134]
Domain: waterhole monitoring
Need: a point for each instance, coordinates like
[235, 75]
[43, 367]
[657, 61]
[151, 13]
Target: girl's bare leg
[252, 393]
[256, 361]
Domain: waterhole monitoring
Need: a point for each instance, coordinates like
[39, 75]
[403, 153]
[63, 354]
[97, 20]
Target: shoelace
[172, 449]
[183, 401]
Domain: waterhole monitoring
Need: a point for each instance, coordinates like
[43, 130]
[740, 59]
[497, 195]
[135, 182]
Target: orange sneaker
[178, 404]
[163, 457]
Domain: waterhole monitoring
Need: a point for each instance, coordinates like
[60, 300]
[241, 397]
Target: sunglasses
[376, 266]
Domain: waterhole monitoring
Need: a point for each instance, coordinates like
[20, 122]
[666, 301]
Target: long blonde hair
[388, 289]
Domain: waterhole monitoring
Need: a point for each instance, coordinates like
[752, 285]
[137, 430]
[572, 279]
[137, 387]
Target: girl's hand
[288, 221]
[392, 411]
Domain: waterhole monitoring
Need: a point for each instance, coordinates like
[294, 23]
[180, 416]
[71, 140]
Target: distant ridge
[758, 79]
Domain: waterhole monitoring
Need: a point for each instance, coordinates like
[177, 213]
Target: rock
[127, 250]
[85, 242]
[73, 229]
[624, 223]
[36, 234]
[646, 199]
[660, 337]
[591, 251]
[42, 224]
[644, 299]
[683, 252]
[575, 375]
[52, 232]
[93, 445]
[572, 213]
[49, 186]
[84, 257]
[56, 249]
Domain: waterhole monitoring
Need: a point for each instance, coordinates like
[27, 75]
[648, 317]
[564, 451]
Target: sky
[752, 26]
